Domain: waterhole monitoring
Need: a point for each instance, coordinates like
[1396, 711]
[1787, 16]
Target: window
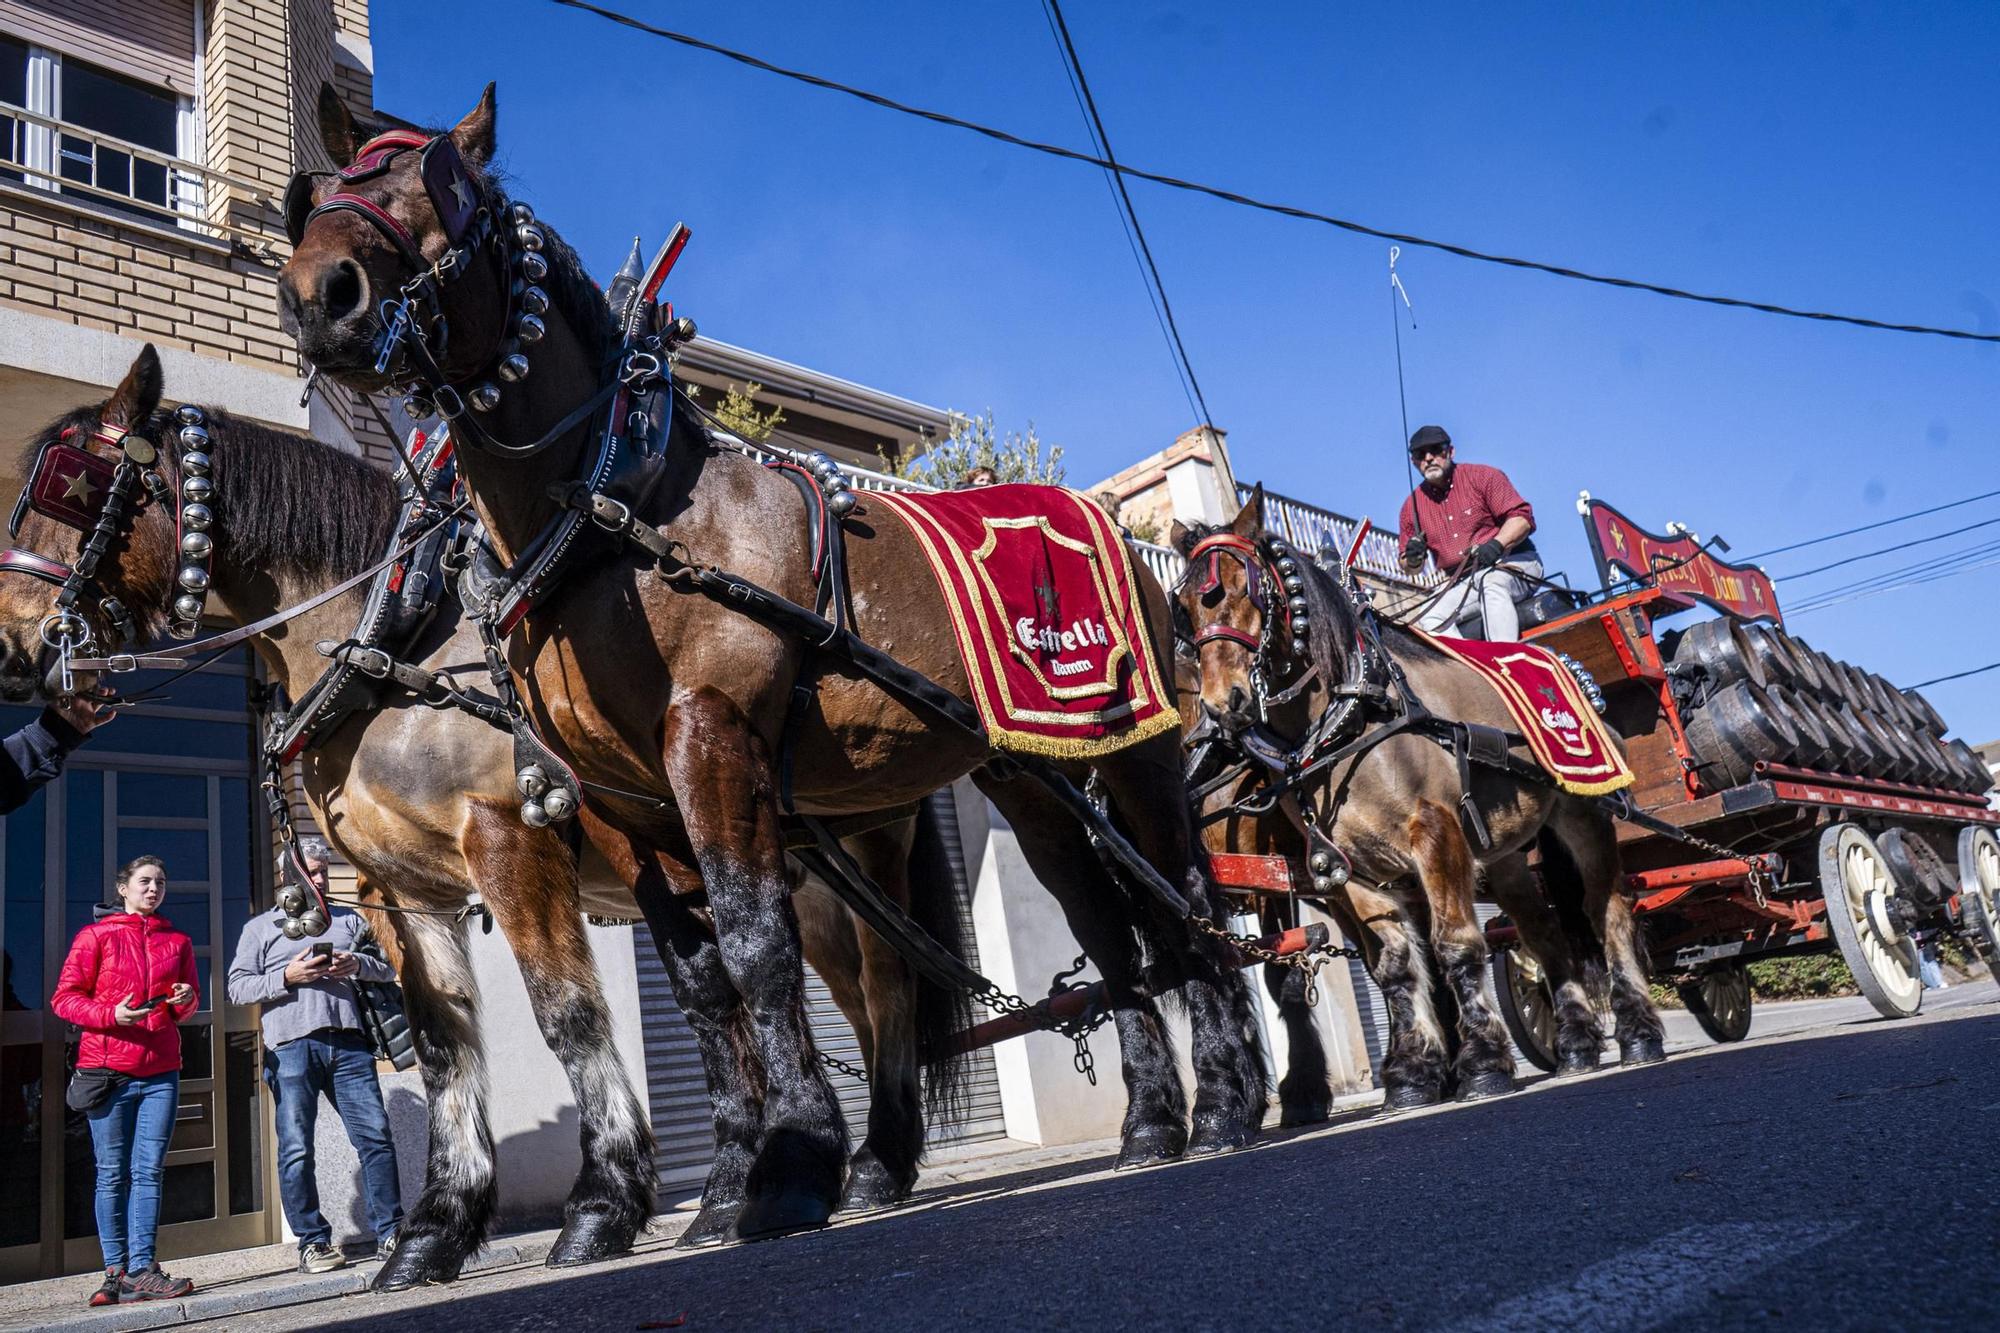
[93, 168]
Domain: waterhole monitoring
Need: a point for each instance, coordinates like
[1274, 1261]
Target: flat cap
[1428, 437]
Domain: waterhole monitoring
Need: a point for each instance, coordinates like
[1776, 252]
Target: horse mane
[282, 501]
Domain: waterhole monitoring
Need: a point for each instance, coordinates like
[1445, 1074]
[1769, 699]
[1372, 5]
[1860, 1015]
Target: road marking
[1662, 1280]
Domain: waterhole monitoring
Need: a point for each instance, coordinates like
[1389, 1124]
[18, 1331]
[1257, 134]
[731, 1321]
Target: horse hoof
[589, 1237]
[870, 1188]
[1150, 1147]
[1411, 1097]
[715, 1224]
[1294, 1115]
[1577, 1062]
[1224, 1134]
[1486, 1084]
[1646, 1050]
[782, 1214]
[422, 1260]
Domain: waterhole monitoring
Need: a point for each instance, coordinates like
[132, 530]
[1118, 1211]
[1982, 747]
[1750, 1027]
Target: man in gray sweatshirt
[314, 1045]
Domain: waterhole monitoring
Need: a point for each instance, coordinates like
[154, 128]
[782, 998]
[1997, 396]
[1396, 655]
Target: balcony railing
[1312, 530]
[74, 162]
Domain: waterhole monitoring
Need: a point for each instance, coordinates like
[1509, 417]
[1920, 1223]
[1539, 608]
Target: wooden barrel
[1978, 779]
[1734, 729]
[1723, 650]
[1774, 651]
[1899, 761]
[1815, 747]
[1811, 676]
[1927, 716]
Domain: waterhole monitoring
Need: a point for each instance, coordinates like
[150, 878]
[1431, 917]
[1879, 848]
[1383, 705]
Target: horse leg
[1057, 850]
[528, 878]
[1305, 1094]
[1231, 1096]
[1591, 844]
[663, 886]
[1485, 1066]
[720, 771]
[1579, 1036]
[1415, 1066]
[451, 1215]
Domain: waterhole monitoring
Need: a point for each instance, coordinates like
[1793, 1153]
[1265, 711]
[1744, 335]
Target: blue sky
[1834, 157]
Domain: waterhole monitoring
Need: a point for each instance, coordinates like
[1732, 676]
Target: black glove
[1485, 555]
[1415, 549]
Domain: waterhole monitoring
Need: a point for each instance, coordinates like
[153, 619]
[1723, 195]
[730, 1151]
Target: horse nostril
[1239, 699]
[340, 291]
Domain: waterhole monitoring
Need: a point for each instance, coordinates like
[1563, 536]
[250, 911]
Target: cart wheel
[1979, 890]
[1527, 1006]
[1719, 999]
[1860, 899]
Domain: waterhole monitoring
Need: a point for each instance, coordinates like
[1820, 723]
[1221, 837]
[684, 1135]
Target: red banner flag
[1678, 566]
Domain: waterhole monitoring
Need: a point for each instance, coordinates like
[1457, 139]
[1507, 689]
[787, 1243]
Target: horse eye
[1212, 597]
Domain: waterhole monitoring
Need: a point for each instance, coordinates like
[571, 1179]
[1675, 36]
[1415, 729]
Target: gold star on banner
[1618, 536]
[79, 488]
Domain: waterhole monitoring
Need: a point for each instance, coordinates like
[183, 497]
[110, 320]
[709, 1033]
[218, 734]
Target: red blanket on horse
[1047, 615]
[1569, 740]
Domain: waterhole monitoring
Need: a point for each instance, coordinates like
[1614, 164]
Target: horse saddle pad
[1047, 614]
[1569, 740]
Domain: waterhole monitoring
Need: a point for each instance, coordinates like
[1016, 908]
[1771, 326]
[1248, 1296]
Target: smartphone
[153, 1003]
[322, 950]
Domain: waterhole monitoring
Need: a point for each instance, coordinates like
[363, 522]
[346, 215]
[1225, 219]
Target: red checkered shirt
[1476, 500]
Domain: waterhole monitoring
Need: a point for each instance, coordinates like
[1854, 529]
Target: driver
[1471, 518]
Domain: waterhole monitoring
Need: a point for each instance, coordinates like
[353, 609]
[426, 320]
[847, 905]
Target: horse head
[1225, 609]
[94, 555]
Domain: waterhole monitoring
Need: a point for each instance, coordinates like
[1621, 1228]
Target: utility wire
[1128, 217]
[1897, 587]
[1870, 527]
[1889, 550]
[1959, 675]
[1906, 572]
[1247, 201]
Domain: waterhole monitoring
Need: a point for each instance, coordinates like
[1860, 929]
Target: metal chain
[841, 1066]
[1309, 962]
[1077, 1029]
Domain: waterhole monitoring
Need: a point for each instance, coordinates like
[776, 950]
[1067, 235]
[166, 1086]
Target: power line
[1247, 201]
[1959, 675]
[1936, 577]
[1870, 527]
[1914, 569]
[1128, 217]
[1889, 550]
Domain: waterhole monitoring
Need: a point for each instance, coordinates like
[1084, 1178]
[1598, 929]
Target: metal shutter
[148, 40]
[676, 1088]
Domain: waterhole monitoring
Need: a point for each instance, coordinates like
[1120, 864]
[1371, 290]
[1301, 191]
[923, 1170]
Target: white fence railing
[69, 160]
[1312, 529]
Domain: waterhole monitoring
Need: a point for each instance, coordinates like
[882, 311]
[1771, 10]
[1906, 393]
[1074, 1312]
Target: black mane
[283, 502]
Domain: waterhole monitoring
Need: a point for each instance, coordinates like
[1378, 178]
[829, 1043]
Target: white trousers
[1497, 590]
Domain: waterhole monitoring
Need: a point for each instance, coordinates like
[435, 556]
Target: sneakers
[385, 1246]
[151, 1284]
[318, 1257]
[114, 1278]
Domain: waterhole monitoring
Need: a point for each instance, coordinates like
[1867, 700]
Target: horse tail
[1562, 885]
[941, 1013]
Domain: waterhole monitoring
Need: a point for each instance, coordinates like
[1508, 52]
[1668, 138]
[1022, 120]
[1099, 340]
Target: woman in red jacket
[128, 982]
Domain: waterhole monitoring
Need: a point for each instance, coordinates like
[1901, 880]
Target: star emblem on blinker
[459, 191]
[79, 488]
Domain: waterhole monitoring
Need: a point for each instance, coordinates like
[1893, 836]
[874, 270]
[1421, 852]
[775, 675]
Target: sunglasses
[1430, 450]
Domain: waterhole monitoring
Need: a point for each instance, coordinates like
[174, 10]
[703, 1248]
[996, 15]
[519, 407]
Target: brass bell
[418, 408]
[534, 300]
[187, 414]
[513, 367]
[1323, 884]
[292, 927]
[531, 781]
[1338, 876]
[841, 503]
[533, 815]
[197, 490]
[197, 545]
[196, 463]
[529, 238]
[196, 518]
[530, 330]
[1322, 862]
[1294, 584]
[520, 214]
[187, 607]
[194, 578]
[484, 397]
[313, 922]
[291, 901]
[533, 267]
[558, 804]
[194, 437]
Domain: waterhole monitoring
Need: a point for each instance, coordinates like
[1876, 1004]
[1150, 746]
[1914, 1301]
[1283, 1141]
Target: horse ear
[1177, 536]
[474, 134]
[137, 396]
[336, 127]
[1250, 518]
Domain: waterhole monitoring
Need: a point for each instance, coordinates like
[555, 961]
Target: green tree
[738, 411]
[971, 444]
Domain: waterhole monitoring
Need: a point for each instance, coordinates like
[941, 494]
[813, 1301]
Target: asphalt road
[1841, 1177]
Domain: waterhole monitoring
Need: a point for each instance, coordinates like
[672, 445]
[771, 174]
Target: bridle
[415, 332]
[79, 488]
[1261, 573]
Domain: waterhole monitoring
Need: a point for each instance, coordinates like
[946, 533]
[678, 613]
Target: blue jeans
[339, 1064]
[129, 1134]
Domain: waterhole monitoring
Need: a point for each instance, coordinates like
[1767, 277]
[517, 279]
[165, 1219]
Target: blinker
[67, 484]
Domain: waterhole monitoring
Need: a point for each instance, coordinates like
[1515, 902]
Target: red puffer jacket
[131, 958]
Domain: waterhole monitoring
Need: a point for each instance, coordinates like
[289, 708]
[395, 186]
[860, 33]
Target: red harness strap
[1209, 553]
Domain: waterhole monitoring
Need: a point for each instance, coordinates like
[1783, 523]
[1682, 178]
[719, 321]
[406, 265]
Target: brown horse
[666, 694]
[422, 801]
[1392, 812]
